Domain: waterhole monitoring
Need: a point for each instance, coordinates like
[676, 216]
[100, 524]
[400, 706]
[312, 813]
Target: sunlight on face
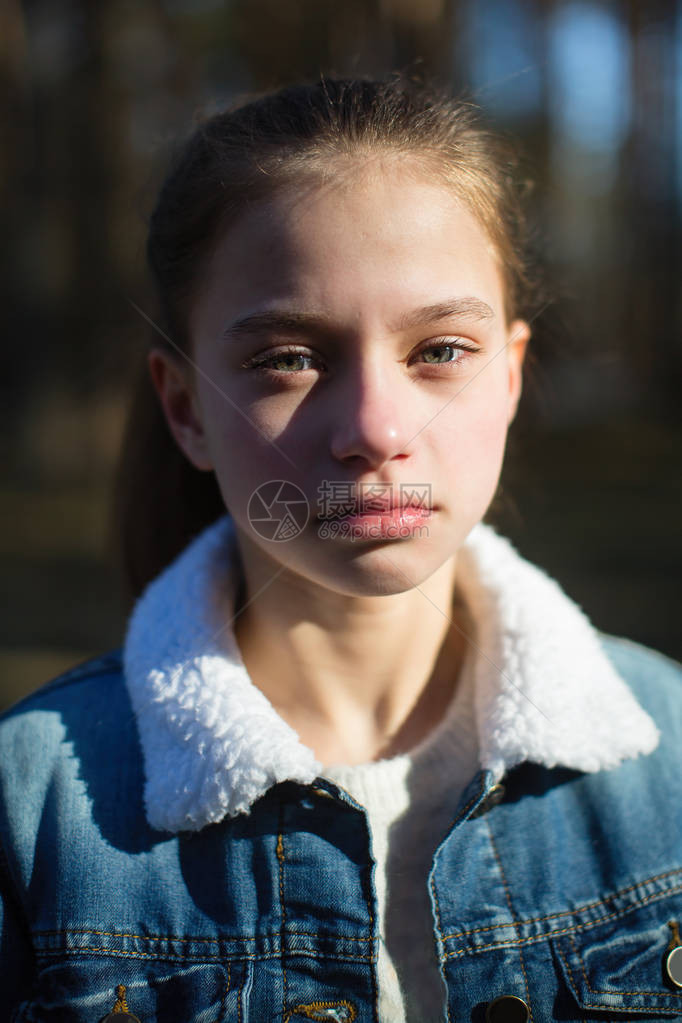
[356, 333]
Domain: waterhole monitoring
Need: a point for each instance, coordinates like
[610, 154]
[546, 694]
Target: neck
[358, 678]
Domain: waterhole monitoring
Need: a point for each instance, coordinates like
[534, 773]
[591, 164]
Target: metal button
[323, 792]
[507, 1009]
[672, 957]
[673, 966]
[494, 796]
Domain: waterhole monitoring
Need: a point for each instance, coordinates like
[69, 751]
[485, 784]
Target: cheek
[247, 444]
[476, 437]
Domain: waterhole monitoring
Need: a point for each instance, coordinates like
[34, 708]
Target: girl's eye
[288, 361]
[290, 358]
[455, 350]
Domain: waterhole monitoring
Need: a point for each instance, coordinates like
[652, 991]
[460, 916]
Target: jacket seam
[440, 932]
[373, 955]
[436, 902]
[570, 973]
[507, 894]
[565, 930]
[590, 905]
[282, 928]
[462, 816]
[226, 991]
[598, 991]
[206, 957]
[240, 996]
[189, 940]
[586, 1005]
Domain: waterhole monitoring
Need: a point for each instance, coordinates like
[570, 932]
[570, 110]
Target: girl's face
[345, 336]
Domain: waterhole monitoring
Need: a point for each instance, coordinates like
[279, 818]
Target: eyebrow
[465, 308]
[286, 322]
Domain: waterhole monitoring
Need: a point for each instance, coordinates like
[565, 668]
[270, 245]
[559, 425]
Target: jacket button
[673, 966]
[507, 1009]
[494, 796]
[672, 960]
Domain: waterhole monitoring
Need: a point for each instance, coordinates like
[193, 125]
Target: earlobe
[517, 343]
[180, 406]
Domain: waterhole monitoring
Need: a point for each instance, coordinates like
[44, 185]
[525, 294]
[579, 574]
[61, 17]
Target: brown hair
[240, 156]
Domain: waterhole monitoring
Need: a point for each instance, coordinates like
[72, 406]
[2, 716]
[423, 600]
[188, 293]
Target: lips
[372, 507]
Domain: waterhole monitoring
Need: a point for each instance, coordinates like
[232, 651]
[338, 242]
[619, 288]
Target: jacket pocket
[618, 965]
[83, 990]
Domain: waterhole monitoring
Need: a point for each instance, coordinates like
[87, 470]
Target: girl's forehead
[375, 237]
[379, 182]
[372, 213]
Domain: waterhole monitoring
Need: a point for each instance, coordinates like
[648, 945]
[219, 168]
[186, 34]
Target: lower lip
[397, 522]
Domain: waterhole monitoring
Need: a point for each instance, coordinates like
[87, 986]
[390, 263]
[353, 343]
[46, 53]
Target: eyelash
[260, 365]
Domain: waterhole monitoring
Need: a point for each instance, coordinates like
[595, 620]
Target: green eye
[288, 356]
[449, 345]
[439, 350]
[288, 361]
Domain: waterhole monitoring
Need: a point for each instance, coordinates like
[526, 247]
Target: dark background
[93, 93]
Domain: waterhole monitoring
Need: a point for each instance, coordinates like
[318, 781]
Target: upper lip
[375, 506]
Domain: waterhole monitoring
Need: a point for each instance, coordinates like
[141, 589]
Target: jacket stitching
[566, 930]
[440, 931]
[599, 991]
[206, 958]
[239, 996]
[439, 923]
[590, 905]
[470, 804]
[602, 1007]
[570, 972]
[280, 861]
[160, 957]
[223, 1000]
[174, 937]
[373, 946]
[511, 910]
[448, 955]
[586, 1005]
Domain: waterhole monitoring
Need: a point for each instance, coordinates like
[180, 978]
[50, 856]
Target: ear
[517, 341]
[172, 382]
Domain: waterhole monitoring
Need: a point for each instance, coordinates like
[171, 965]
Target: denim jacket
[163, 829]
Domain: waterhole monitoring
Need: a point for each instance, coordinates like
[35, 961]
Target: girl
[356, 760]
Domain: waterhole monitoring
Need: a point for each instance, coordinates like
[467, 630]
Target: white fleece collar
[212, 743]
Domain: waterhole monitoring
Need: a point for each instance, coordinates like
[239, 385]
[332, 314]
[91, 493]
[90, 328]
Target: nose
[374, 419]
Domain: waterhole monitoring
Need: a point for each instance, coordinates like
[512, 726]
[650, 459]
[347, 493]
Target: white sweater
[410, 802]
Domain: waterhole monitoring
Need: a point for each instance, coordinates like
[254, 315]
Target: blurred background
[93, 94]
